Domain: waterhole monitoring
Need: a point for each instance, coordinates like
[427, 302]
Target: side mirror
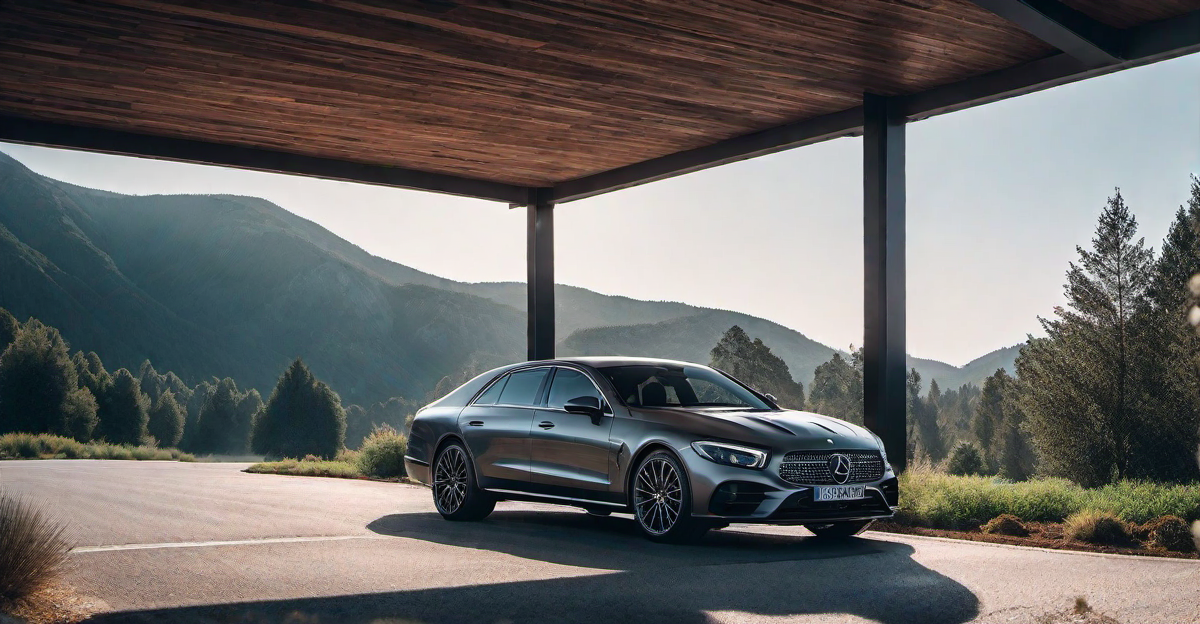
[772, 398]
[586, 405]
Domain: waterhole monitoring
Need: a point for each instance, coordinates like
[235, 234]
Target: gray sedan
[683, 447]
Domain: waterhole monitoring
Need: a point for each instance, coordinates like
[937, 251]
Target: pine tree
[224, 424]
[303, 416]
[124, 410]
[166, 420]
[752, 362]
[837, 388]
[924, 437]
[1082, 392]
[192, 408]
[1000, 430]
[8, 329]
[90, 371]
[39, 388]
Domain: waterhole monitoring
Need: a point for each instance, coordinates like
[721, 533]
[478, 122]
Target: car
[683, 447]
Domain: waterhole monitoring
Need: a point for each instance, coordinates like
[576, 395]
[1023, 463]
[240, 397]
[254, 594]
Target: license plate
[839, 492]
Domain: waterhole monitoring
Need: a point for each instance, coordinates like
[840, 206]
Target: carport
[535, 104]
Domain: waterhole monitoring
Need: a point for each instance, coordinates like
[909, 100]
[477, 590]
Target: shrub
[965, 460]
[382, 453]
[1097, 527]
[34, 549]
[1005, 524]
[1169, 532]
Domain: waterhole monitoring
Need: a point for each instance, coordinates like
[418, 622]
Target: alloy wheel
[450, 480]
[658, 496]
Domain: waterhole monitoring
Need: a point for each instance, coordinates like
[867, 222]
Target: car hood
[781, 430]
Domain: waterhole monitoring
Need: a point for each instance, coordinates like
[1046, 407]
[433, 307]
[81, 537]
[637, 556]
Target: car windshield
[679, 386]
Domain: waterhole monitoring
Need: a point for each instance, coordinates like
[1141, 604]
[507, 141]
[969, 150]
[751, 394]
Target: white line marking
[247, 542]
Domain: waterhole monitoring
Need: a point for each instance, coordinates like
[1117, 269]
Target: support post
[884, 367]
[540, 284]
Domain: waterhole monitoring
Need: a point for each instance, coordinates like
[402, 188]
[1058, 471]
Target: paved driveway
[208, 543]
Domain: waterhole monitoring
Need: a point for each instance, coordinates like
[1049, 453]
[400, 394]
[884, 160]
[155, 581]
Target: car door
[496, 427]
[570, 454]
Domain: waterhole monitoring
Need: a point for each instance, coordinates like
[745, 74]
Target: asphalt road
[161, 541]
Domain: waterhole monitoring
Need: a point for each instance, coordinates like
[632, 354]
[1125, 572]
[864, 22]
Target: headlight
[731, 454]
[882, 451]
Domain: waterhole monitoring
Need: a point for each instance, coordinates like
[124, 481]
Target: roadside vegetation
[34, 550]
[48, 446]
[381, 456]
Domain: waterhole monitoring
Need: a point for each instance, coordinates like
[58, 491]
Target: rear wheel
[456, 494]
[662, 500]
[838, 529]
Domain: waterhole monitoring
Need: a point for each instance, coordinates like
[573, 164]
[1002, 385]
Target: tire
[838, 530]
[662, 501]
[456, 493]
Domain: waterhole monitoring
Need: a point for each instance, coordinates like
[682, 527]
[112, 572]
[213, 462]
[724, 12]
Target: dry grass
[1005, 524]
[1169, 532]
[34, 549]
[302, 468]
[47, 446]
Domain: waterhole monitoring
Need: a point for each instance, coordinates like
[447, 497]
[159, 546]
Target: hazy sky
[998, 197]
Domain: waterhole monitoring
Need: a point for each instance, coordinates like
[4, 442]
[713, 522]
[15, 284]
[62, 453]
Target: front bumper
[741, 495]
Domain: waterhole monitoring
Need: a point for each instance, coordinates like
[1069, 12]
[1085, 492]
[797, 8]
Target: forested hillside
[237, 287]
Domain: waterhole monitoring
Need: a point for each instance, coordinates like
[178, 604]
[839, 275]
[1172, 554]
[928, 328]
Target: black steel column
[884, 369]
[540, 284]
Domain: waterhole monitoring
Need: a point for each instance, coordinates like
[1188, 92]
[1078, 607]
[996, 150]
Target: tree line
[1111, 392]
[44, 388]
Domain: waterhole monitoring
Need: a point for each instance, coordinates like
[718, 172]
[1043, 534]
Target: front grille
[812, 467]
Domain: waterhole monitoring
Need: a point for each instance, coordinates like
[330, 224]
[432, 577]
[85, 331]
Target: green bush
[382, 453]
[939, 500]
[1097, 527]
[965, 460]
[34, 549]
[45, 446]
[303, 416]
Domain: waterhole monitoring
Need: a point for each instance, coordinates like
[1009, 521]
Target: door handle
[476, 423]
[545, 424]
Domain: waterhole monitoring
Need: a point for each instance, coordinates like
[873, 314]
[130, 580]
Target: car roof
[603, 361]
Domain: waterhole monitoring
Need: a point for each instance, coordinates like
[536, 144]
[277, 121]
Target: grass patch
[34, 549]
[933, 499]
[1097, 527]
[380, 457]
[47, 446]
[309, 468]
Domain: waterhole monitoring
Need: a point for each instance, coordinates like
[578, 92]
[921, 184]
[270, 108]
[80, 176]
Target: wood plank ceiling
[525, 93]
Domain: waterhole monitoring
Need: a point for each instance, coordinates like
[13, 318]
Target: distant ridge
[223, 285]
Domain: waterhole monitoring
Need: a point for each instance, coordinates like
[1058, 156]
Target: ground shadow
[729, 571]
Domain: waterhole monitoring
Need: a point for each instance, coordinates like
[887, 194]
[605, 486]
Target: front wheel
[456, 494]
[838, 529]
[662, 500]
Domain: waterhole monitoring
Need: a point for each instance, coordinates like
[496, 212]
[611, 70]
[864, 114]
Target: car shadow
[632, 580]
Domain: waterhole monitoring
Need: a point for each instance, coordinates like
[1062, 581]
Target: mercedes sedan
[682, 447]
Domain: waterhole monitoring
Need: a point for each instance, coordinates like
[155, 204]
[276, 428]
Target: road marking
[247, 542]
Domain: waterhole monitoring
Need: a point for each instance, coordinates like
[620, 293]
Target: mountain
[220, 285]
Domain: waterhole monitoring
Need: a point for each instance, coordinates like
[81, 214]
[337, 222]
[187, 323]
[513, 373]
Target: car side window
[570, 384]
[490, 395]
[522, 387]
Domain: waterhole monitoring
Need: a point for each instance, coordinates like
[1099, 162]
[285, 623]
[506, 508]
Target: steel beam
[48, 134]
[1092, 42]
[884, 369]
[540, 266]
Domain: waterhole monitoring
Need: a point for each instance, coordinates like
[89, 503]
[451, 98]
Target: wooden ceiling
[520, 93]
